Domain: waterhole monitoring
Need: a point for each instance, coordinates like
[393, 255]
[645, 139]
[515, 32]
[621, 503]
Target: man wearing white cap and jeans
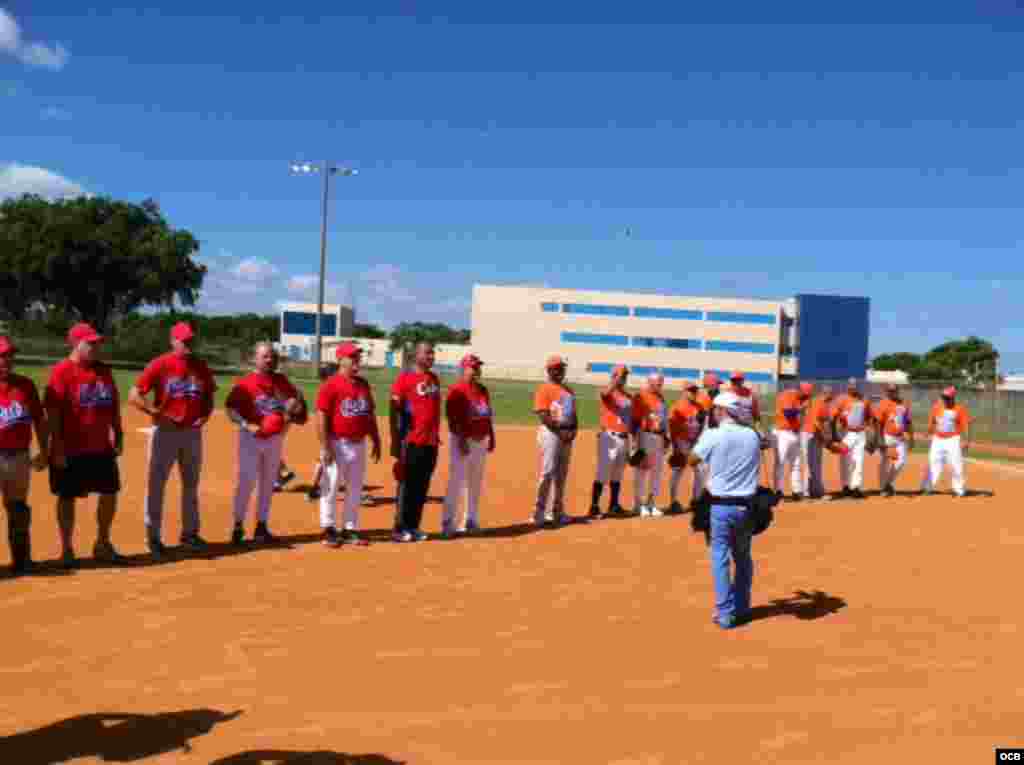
[732, 452]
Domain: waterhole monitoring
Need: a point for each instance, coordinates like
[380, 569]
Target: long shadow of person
[319, 757]
[801, 604]
[111, 737]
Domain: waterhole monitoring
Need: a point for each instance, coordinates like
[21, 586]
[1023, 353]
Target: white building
[298, 329]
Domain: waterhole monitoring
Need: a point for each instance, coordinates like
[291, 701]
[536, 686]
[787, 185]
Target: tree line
[971, 361]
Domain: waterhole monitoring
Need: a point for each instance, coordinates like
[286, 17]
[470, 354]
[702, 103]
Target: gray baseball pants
[168, 446]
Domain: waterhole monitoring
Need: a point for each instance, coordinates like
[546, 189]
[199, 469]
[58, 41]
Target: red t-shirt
[258, 395]
[469, 410]
[87, 399]
[419, 396]
[183, 387]
[19, 409]
[348, 404]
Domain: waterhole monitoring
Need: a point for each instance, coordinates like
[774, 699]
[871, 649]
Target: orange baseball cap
[6, 346]
[950, 391]
[690, 385]
[554, 361]
[737, 375]
[619, 368]
[83, 333]
[471, 361]
[347, 351]
[806, 388]
[182, 332]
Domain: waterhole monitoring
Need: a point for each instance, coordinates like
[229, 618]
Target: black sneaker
[797, 497]
[157, 549]
[617, 510]
[351, 537]
[283, 481]
[313, 494]
[331, 538]
[888, 491]
[238, 535]
[68, 560]
[105, 552]
[21, 567]
[675, 509]
[262, 535]
[194, 542]
[595, 511]
[856, 494]
[846, 493]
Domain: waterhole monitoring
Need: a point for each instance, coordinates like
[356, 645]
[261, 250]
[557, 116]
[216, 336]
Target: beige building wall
[511, 331]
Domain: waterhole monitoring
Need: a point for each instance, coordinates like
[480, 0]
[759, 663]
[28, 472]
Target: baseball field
[884, 630]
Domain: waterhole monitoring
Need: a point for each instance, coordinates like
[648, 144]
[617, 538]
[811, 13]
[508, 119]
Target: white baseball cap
[736, 406]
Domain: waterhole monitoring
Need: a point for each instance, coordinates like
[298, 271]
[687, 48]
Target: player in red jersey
[183, 389]
[20, 412]
[83, 410]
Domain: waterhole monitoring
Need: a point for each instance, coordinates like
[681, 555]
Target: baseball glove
[677, 460]
[638, 457]
[295, 409]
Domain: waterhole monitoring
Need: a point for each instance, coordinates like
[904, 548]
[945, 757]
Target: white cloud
[383, 282]
[16, 180]
[302, 285]
[55, 114]
[255, 270]
[54, 57]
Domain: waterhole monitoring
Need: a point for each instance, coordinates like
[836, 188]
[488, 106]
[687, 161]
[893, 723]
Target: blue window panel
[595, 310]
[296, 323]
[586, 337]
[667, 313]
[731, 345]
[550, 307]
[600, 367]
[723, 375]
[666, 342]
[677, 373]
[643, 370]
[742, 318]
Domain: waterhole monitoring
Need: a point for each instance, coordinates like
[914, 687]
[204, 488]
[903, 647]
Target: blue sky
[753, 151]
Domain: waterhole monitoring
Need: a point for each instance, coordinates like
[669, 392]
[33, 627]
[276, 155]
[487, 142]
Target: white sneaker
[654, 512]
[643, 511]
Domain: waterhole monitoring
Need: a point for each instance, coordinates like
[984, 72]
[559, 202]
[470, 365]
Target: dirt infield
[883, 629]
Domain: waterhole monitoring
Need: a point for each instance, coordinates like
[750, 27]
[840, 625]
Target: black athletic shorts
[86, 474]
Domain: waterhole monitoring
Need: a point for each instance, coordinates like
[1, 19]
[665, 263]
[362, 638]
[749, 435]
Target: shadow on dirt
[319, 757]
[114, 737]
[801, 604]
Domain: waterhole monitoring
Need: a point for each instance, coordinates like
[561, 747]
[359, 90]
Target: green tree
[896, 362]
[408, 334]
[370, 331]
[94, 257]
[970, 361]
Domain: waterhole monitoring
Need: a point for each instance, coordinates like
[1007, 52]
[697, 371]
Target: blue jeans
[731, 534]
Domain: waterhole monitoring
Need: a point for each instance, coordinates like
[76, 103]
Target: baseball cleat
[352, 537]
[331, 538]
[401, 536]
[675, 509]
[157, 549]
[617, 510]
[262, 534]
[888, 491]
[472, 528]
[238, 535]
[857, 494]
[960, 494]
[420, 536]
[797, 497]
[643, 511]
[595, 511]
[105, 552]
[194, 542]
[313, 494]
[654, 512]
[68, 560]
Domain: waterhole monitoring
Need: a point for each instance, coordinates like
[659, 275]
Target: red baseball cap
[619, 369]
[711, 380]
[6, 346]
[737, 376]
[554, 361]
[690, 385]
[950, 391]
[806, 388]
[272, 424]
[471, 361]
[347, 351]
[83, 333]
[182, 332]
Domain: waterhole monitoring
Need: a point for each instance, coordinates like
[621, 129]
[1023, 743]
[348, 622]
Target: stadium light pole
[327, 170]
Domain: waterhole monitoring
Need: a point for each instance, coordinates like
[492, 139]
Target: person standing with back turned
[732, 452]
[183, 391]
[419, 394]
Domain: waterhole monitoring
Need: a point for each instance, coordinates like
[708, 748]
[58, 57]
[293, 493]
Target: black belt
[733, 501]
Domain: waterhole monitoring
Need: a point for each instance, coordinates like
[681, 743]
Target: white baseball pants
[945, 451]
[892, 461]
[465, 475]
[647, 481]
[786, 448]
[810, 450]
[612, 454]
[684, 448]
[259, 460]
[851, 465]
[349, 467]
[554, 470]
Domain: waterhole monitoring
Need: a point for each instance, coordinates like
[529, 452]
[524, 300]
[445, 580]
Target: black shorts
[86, 474]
